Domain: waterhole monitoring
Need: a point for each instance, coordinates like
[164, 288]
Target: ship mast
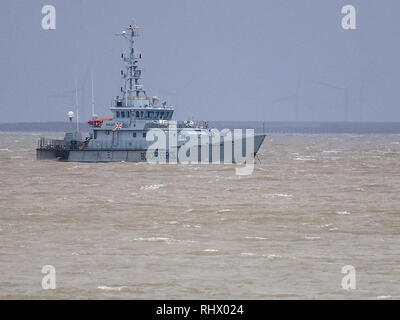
[131, 89]
[91, 75]
[76, 105]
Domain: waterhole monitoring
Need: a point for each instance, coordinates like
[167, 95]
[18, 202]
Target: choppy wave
[343, 212]
[142, 231]
[118, 288]
[152, 187]
[211, 250]
[312, 238]
[152, 239]
[255, 238]
[224, 210]
[281, 195]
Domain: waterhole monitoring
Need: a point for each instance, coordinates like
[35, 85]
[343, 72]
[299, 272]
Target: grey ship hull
[130, 155]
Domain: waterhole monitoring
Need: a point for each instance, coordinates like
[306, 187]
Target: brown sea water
[139, 231]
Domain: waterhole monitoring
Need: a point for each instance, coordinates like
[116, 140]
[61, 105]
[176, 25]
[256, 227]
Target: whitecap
[192, 226]
[272, 256]
[112, 288]
[343, 212]
[247, 254]
[91, 185]
[210, 250]
[384, 297]
[303, 159]
[151, 239]
[330, 151]
[311, 238]
[281, 195]
[255, 238]
[224, 210]
[152, 187]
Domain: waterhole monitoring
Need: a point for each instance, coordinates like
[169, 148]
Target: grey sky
[212, 59]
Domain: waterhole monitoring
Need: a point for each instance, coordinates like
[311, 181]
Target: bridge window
[144, 134]
[157, 115]
[151, 114]
[127, 114]
[117, 114]
[122, 114]
[134, 134]
[161, 114]
[137, 114]
[141, 114]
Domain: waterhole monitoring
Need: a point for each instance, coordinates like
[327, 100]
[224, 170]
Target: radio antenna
[76, 104]
[92, 96]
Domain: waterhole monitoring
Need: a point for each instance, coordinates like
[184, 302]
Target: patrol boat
[124, 136]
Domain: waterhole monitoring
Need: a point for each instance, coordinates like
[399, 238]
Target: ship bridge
[142, 113]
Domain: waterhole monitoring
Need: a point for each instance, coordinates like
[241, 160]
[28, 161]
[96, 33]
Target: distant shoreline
[310, 127]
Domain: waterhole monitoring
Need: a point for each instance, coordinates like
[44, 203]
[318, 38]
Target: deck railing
[46, 143]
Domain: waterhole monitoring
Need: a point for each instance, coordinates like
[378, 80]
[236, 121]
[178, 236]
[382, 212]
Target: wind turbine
[296, 110]
[366, 105]
[361, 101]
[294, 96]
[345, 91]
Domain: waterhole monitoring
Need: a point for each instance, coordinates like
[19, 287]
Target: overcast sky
[211, 59]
